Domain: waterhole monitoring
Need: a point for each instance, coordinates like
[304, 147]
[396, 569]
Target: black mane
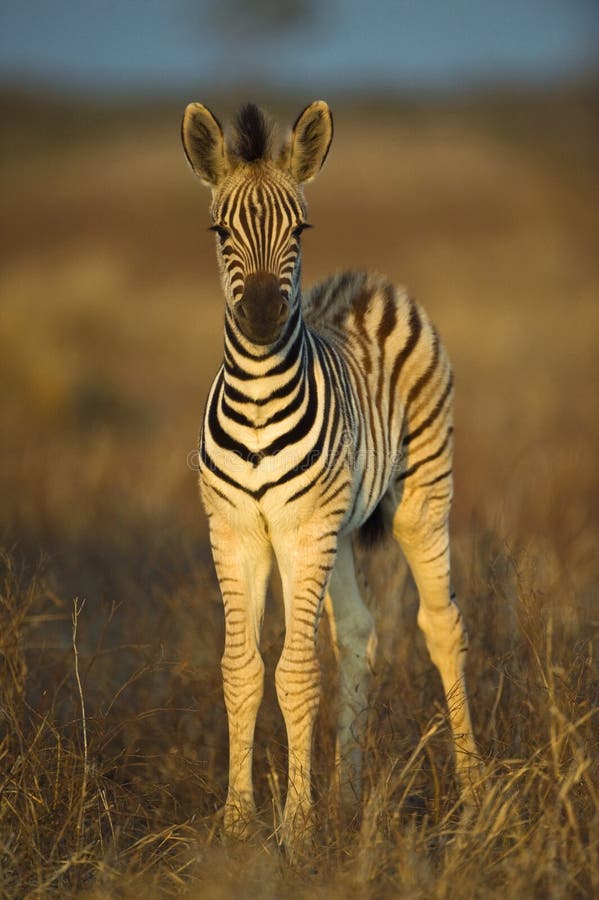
[252, 134]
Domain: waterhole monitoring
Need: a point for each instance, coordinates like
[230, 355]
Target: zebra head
[258, 209]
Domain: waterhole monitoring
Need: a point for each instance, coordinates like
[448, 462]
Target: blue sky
[136, 44]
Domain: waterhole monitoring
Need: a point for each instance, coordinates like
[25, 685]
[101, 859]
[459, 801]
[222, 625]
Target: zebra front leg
[305, 561]
[242, 568]
[354, 643]
[420, 525]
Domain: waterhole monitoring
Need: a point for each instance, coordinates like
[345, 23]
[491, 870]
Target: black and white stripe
[331, 413]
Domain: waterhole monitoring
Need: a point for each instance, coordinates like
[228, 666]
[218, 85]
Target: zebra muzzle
[263, 310]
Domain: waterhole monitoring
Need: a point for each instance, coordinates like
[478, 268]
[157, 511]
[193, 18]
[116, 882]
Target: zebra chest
[264, 476]
[262, 434]
[256, 442]
[244, 461]
[247, 447]
[260, 417]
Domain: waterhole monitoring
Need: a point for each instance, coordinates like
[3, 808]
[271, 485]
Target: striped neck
[258, 371]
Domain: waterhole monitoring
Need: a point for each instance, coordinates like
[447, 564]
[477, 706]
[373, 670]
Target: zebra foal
[332, 411]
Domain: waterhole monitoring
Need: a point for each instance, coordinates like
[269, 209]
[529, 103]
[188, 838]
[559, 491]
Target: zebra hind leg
[420, 525]
[354, 643]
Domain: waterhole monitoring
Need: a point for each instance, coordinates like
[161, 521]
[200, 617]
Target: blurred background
[464, 165]
[296, 45]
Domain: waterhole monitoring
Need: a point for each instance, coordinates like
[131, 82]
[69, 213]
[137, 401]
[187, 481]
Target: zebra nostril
[241, 311]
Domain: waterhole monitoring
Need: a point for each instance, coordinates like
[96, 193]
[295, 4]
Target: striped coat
[331, 414]
[359, 397]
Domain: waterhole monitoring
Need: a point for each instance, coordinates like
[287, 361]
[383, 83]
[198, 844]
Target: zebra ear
[309, 144]
[204, 144]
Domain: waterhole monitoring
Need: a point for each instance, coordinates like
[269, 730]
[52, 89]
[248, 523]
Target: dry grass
[112, 724]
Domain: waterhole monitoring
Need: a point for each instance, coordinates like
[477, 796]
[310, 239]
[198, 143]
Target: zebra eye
[221, 231]
[296, 232]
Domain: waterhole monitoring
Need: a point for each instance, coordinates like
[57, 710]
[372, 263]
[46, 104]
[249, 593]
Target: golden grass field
[113, 741]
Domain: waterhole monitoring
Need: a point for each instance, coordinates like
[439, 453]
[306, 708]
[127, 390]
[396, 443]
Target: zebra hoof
[297, 835]
[239, 821]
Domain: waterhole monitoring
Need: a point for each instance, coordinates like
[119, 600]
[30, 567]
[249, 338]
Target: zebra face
[258, 211]
[258, 217]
